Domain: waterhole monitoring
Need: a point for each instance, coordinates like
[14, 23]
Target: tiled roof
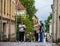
[20, 6]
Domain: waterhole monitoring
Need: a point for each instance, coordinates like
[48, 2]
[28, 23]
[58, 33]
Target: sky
[43, 8]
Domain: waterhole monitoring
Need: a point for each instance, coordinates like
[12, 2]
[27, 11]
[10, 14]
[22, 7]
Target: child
[27, 38]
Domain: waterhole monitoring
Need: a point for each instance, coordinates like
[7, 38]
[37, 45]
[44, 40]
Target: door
[4, 31]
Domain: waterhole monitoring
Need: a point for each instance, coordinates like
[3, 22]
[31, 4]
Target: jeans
[41, 37]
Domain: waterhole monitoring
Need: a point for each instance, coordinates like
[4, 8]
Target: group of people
[38, 29]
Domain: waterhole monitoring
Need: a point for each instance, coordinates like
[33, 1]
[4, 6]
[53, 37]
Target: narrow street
[36, 22]
[26, 44]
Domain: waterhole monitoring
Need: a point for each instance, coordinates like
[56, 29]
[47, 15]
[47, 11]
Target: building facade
[56, 19]
[20, 9]
[7, 19]
[50, 27]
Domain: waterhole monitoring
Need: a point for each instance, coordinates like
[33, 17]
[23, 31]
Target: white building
[20, 8]
[50, 27]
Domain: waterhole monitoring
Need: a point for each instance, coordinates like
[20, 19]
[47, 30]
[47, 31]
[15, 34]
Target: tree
[47, 22]
[25, 19]
[29, 27]
[28, 23]
[29, 5]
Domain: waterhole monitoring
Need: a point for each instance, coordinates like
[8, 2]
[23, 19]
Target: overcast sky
[44, 8]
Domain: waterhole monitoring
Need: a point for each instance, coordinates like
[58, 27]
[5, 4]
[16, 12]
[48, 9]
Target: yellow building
[7, 19]
[56, 19]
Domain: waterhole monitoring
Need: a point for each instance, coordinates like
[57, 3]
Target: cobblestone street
[29, 22]
[26, 44]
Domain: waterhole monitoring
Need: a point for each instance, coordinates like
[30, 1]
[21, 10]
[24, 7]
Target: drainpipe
[2, 20]
[56, 19]
[10, 20]
[52, 22]
[16, 12]
[2, 3]
[1, 23]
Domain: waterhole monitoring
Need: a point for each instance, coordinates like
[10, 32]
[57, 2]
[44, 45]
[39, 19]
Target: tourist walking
[36, 31]
[21, 31]
[41, 31]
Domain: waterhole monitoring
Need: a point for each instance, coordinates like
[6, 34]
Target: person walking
[41, 31]
[36, 31]
[21, 31]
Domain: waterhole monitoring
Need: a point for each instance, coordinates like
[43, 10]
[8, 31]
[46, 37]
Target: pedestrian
[21, 31]
[36, 31]
[27, 38]
[41, 31]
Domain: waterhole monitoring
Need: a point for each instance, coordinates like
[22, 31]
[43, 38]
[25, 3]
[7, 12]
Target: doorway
[4, 31]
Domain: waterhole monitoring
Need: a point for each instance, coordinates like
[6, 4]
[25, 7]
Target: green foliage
[27, 18]
[29, 5]
[27, 22]
[47, 22]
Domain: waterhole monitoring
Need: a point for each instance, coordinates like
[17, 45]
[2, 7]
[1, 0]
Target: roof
[19, 5]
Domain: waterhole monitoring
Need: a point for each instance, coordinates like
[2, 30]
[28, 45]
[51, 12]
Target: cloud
[44, 8]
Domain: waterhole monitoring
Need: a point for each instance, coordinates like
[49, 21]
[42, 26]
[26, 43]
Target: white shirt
[21, 28]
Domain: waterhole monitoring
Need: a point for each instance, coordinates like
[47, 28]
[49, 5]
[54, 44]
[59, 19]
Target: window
[4, 5]
[0, 6]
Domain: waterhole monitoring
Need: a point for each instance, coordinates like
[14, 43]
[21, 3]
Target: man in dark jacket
[41, 31]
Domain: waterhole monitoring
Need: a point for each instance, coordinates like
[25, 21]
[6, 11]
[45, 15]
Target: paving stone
[26, 44]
